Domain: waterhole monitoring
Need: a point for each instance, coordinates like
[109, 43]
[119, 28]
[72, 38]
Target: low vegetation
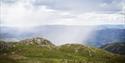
[39, 50]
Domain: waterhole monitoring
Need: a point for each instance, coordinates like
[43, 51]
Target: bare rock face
[38, 41]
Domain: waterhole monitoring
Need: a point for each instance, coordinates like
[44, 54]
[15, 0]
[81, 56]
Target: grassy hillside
[117, 48]
[38, 50]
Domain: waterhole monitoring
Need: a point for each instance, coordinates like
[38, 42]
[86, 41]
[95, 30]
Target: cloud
[82, 5]
[8, 1]
[109, 6]
[27, 13]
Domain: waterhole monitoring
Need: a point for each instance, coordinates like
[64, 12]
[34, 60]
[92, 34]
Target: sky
[27, 14]
[30, 13]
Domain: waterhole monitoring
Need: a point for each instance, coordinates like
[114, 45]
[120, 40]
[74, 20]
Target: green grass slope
[43, 51]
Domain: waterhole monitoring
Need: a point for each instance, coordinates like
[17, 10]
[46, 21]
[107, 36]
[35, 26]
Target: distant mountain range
[105, 36]
[61, 34]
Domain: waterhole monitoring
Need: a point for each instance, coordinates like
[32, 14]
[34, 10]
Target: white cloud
[23, 14]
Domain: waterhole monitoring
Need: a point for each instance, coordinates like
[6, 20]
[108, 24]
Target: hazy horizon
[79, 18]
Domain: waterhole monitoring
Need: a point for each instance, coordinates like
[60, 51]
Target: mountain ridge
[21, 52]
[117, 47]
[94, 35]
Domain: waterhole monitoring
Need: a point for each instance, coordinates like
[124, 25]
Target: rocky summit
[38, 41]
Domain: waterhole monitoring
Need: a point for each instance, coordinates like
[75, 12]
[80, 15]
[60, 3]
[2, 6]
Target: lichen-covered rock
[38, 41]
